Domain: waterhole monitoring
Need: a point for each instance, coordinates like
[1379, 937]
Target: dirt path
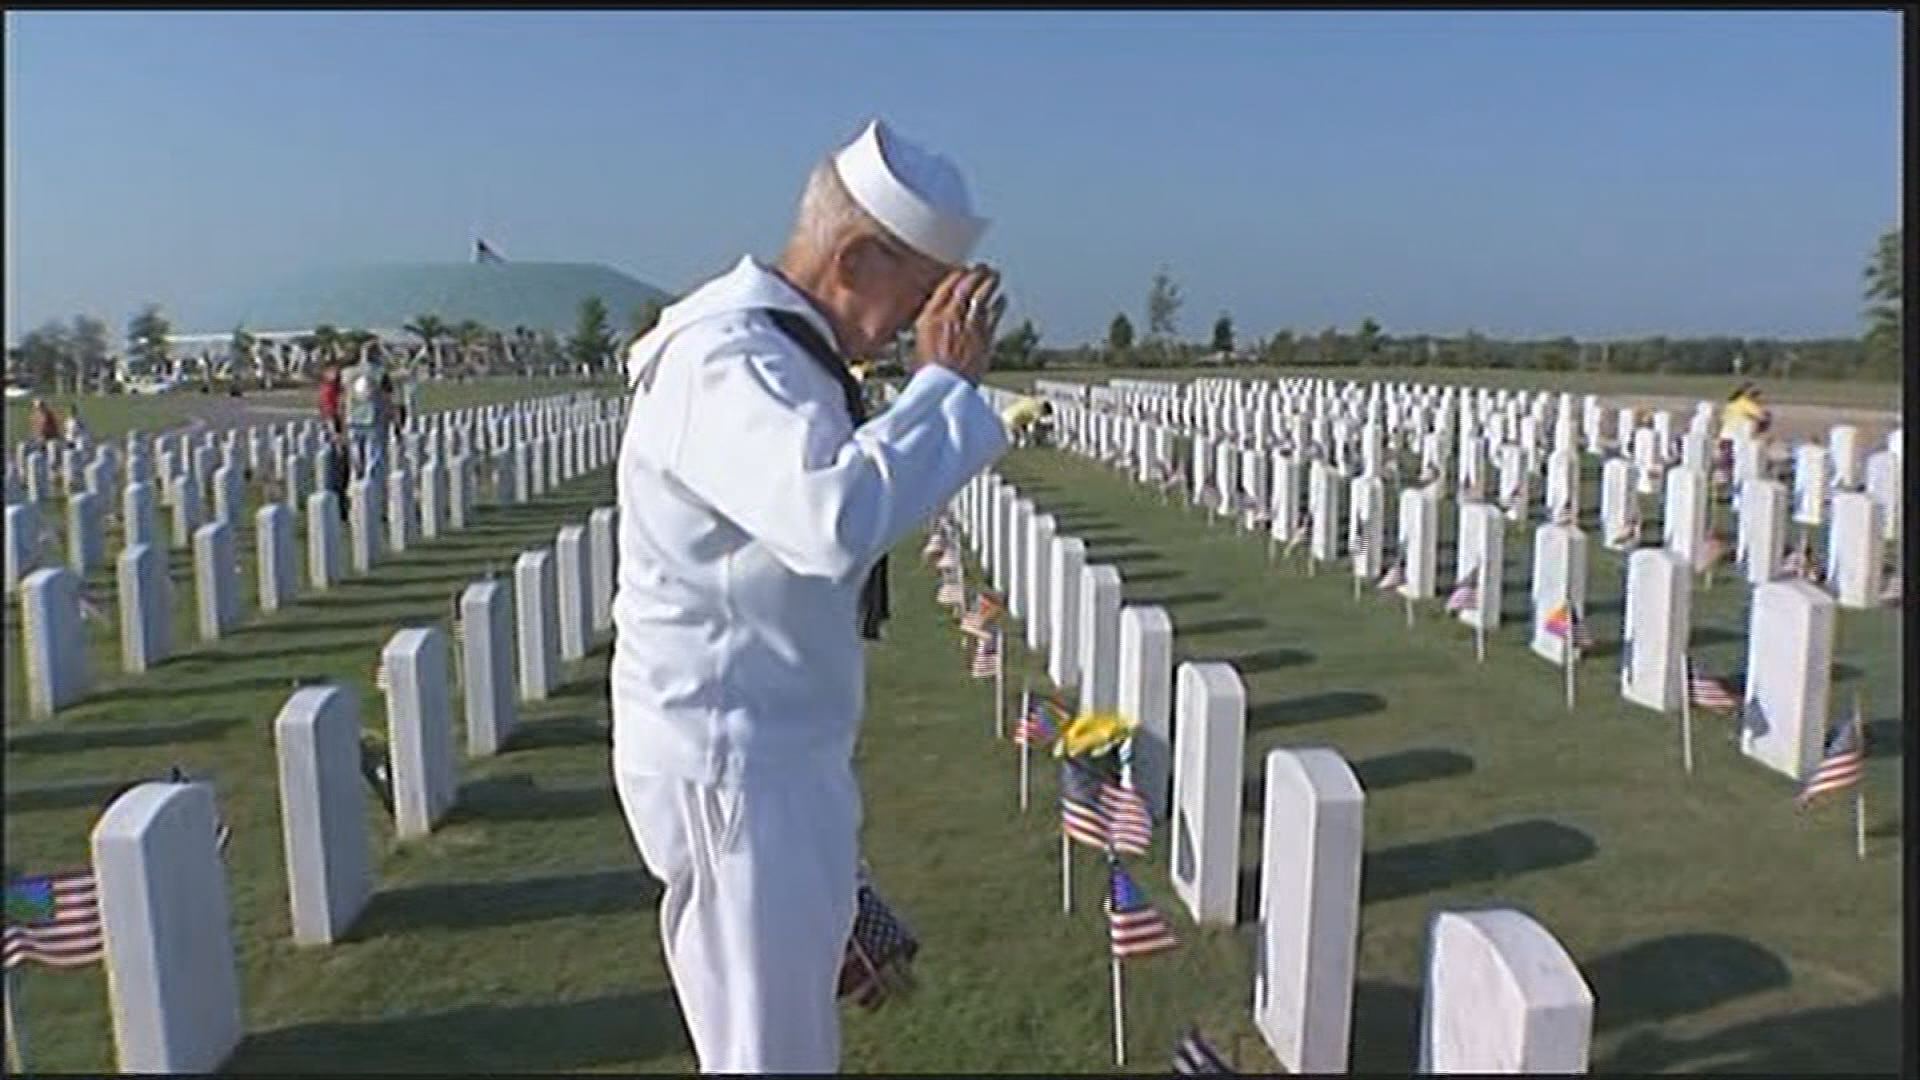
[1791, 420]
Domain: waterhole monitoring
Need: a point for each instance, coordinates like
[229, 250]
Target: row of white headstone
[174, 993]
[423, 500]
[1785, 711]
[1502, 994]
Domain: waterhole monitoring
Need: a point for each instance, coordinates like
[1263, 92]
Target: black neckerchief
[873, 595]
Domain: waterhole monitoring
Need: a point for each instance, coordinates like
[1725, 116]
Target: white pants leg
[760, 882]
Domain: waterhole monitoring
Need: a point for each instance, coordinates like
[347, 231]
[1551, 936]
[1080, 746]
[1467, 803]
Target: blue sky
[1519, 173]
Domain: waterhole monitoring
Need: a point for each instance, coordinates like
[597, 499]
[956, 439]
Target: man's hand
[955, 329]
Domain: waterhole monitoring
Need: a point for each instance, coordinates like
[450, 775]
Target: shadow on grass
[1331, 705]
[168, 692]
[1711, 635]
[62, 796]
[76, 739]
[1146, 576]
[1414, 766]
[1858, 1038]
[552, 1037]
[558, 731]
[518, 798]
[1885, 737]
[467, 904]
[1676, 975]
[1171, 600]
[1489, 855]
[1218, 626]
[1253, 663]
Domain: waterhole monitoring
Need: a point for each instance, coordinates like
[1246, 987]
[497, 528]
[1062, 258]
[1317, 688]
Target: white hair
[828, 215]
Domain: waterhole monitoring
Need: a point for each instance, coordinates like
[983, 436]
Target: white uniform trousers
[760, 881]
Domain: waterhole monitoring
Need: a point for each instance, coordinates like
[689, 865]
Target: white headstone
[216, 583]
[487, 666]
[53, 639]
[1366, 526]
[1619, 508]
[1419, 541]
[1039, 562]
[1481, 552]
[1309, 909]
[419, 729]
[323, 821]
[573, 580]
[172, 984]
[538, 623]
[1857, 550]
[1326, 507]
[1659, 605]
[363, 526]
[186, 512]
[1684, 522]
[1762, 538]
[146, 608]
[1018, 515]
[1145, 697]
[603, 553]
[1099, 638]
[1843, 450]
[1502, 997]
[1810, 479]
[1209, 743]
[1559, 577]
[433, 499]
[1284, 508]
[1883, 479]
[401, 523]
[1063, 616]
[136, 515]
[86, 538]
[323, 540]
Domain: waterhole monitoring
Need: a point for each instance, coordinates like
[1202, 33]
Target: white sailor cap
[914, 193]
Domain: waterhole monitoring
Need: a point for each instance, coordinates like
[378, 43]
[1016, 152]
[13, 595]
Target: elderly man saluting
[755, 505]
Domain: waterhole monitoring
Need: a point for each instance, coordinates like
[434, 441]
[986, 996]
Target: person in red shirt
[330, 391]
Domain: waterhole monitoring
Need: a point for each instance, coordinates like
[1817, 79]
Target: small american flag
[1466, 591]
[1843, 763]
[1395, 576]
[1711, 691]
[90, 609]
[986, 611]
[1081, 816]
[1712, 551]
[986, 656]
[1194, 1056]
[952, 592]
[936, 546]
[1129, 823]
[1136, 927]
[1034, 728]
[54, 919]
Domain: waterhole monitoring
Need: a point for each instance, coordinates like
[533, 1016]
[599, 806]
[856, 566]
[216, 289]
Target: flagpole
[1026, 737]
[1119, 1016]
[1408, 597]
[1479, 640]
[16, 1050]
[1860, 785]
[999, 684]
[1066, 873]
[1686, 714]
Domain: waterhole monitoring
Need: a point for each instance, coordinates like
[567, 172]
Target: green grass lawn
[1720, 929]
[1861, 394]
[112, 415]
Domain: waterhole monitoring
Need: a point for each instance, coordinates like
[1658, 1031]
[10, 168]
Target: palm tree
[466, 334]
[429, 329]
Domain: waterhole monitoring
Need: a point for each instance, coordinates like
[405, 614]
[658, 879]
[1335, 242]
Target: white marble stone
[1309, 909]
[363, 526]
[1502, 996]
[487, 666]
[1683, 525]
[1366, 526]
[1326, 508]
[1659, 604]
[1209, 742]
[1419, 541]
[573, 582]
[1559, 577]
[1038, 581]
[419, 729]
[216, 580]
[1843, 452]
[1063, 658]
[1099, 638]
[603, 555]
[1810, 482]
[86, 536]
[1856, 550]
[324, 557]
[1762, 538]
[537, 620]
[1145, 697]
[173, 988]
[402, 523]
[1790, 636]
[136, 515]
[1481, 551]
[53, 640]
[1284, 505]
[146, 607]
[323, 820]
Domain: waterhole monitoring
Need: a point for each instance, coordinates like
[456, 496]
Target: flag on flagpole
[1135, 926]
[482, 253]
[1194, 1056]
[1080, 815]
[1466, 591]
[1711, 691]
[987, 607]
[1395, 576]
[986, 656]
[1842, 764]
[54, 919]
[1129, 824]
[1558, 621]
[1034, 728]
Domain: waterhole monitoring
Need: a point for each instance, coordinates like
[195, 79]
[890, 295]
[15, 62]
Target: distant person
[76, 427]
[369, 394]
[330, 403]
[409, 406]
[46, 422]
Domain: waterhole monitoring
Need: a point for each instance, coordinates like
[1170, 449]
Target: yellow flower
[1092, 734]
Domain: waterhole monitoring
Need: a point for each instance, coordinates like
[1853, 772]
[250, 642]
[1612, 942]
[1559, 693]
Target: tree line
[1876, 354]
[79, 355]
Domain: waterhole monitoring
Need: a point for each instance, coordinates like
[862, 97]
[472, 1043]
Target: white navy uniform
[750, 513]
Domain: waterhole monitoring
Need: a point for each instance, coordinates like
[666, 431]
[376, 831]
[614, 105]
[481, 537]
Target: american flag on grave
[1129, 824]
[879, 953]
[1843, 763]
[1194, 1056]
[1711, 691]
[1082, 817]
[1035, 727]
[1135, 927]
[54, 919]
[986, 656]
[1466, 591]
[1395, 576]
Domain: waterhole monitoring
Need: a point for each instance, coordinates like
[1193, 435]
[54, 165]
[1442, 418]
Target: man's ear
[856, 263]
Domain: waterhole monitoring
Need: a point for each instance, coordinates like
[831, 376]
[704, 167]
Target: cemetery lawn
[1720, 929]
[113, 415]
[1844, 393]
